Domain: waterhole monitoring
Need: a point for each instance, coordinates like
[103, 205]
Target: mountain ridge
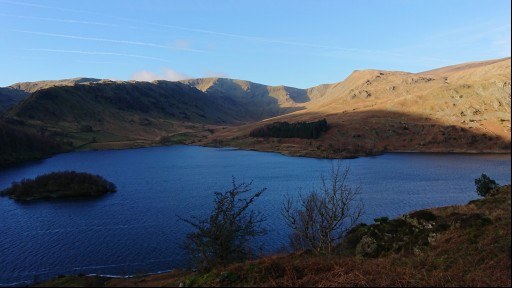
[459, 108]
[211, 83]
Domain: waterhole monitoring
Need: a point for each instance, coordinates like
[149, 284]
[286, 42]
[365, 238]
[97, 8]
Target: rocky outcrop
[409, 233]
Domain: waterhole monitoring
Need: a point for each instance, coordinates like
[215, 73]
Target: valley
[461, 108]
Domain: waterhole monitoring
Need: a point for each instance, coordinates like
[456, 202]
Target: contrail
[49, 7]
[100, 53]
[100, 62]
[262, 39]
[72, 21]
[78, 61]
[237, 36]
[103, 40]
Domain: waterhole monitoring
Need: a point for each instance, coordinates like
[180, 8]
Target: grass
[82, 139]
[178, 138]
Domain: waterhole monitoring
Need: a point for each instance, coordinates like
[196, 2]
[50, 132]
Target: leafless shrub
[223, 237]
[321, 219]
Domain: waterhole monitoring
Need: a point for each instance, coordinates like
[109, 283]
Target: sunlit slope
[473, 95]
[461, 108]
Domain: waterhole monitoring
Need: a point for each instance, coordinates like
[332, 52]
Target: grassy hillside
[31, 87]
[466, 245]
[461, 108]
[124, 114]
[361, 133]
[97, 102]
[267, 101]
[12, 95]
[20, 143]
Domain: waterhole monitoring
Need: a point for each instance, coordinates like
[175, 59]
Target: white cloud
[174, 75]
[144, 76]
[166, 74]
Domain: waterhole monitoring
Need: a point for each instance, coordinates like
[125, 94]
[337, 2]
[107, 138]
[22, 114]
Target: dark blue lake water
[136, 229]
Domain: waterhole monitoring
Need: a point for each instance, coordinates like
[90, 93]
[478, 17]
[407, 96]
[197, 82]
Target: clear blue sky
[296, 43]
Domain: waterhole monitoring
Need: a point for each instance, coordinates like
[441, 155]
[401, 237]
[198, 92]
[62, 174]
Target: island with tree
[66, 184]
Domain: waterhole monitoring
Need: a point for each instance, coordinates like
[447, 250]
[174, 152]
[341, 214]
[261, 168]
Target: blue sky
[296, 43]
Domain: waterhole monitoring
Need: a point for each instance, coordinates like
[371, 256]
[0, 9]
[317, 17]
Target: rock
[418, 250]
[422, 219]
[432, 237]
[416, 80]
[367, 247]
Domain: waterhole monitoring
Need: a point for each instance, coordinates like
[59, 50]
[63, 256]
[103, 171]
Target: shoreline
[163, 149]
[284, 153]
[109, 276]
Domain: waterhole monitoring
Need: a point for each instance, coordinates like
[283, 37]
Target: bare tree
[321, 219]
[223, 237]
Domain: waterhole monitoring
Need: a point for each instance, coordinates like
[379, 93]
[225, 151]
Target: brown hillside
[269, 101]
[436, 110]
[460, 108]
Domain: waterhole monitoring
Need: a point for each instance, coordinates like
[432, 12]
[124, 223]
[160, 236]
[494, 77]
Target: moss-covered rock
[367, 247]
[409, 233]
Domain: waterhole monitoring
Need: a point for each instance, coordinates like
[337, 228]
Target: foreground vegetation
[224, 237]
[466, 245]
[59, 185]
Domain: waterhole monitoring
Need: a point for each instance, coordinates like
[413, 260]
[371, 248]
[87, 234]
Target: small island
[67, 184]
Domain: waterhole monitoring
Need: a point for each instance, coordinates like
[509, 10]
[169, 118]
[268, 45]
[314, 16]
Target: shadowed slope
[12, 95]
[473, 96]
[99, 102]
[366, 132]
[31, 87]
[461, 108]
[20, 144]
[9, 97]
[125, 114]
[267, 101]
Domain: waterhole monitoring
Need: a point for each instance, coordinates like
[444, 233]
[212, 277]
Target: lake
[136, 230]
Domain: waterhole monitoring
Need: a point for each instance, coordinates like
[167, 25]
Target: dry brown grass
[373, 111]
